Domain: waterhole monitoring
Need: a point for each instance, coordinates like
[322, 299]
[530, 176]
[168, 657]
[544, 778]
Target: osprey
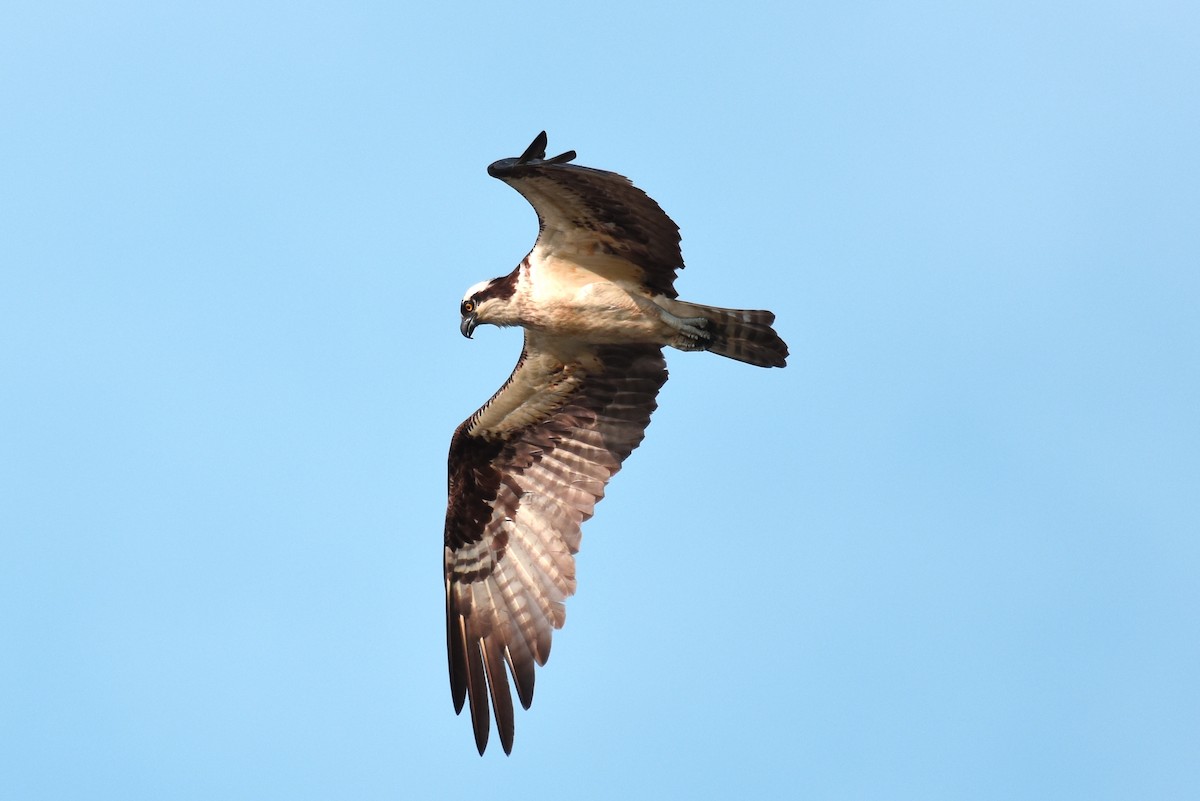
[597, 301]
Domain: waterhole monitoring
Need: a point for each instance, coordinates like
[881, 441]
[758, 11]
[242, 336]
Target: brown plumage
[597, 300]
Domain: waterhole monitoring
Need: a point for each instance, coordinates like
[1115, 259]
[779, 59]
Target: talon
[694, 327]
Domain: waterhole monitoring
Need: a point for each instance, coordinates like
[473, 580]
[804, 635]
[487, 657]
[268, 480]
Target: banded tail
[742, 334]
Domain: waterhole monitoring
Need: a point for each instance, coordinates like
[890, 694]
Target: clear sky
[950, 552]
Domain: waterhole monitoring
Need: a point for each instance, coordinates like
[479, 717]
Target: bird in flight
[597, 301]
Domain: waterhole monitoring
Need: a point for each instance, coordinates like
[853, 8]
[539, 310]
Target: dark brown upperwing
[518, 492]
[583, 210]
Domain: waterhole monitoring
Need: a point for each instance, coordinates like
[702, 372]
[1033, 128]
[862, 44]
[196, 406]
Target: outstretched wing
[586, 214]
[525, 471]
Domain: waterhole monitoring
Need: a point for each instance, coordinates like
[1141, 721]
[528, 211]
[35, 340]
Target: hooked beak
[467, 326]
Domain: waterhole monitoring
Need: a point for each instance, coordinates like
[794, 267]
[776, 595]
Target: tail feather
[742, 334]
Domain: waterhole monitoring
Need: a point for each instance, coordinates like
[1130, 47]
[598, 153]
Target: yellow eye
[468, 306]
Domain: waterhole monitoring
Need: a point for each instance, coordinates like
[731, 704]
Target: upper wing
[585, 213]
[525, 471]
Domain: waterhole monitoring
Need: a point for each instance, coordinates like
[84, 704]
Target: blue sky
[950, 552]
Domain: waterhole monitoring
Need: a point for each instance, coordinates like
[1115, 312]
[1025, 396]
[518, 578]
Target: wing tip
[536, 149]
[535, 154]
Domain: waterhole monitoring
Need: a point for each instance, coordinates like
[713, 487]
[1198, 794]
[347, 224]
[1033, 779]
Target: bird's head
[486, 302]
